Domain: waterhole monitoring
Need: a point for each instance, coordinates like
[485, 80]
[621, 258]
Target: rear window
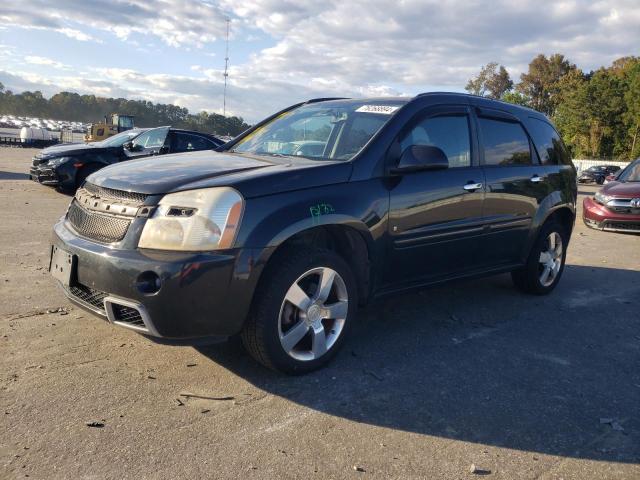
[548, 143]
[505, 143]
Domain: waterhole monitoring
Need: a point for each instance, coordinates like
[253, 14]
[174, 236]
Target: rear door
[516, 183]
[435, 217]
[186, 142]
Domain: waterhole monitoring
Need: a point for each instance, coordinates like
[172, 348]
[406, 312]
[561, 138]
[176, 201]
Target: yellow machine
[114, 123]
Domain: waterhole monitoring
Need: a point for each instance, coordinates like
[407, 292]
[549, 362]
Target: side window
[151, 139]
[548, 143]
[450, 133]
[504, 143]
[183, 142]
[361, 129]
[197, 142]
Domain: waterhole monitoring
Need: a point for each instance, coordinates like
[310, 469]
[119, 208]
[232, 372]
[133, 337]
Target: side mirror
[164, 149]
[128, 145]
[417, 158]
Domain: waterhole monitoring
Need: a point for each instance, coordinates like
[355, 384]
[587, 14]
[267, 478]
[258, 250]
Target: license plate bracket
[62, 265]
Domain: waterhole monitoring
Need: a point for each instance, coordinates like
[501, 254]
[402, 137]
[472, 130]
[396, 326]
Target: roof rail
[447, 93]
[325, 99]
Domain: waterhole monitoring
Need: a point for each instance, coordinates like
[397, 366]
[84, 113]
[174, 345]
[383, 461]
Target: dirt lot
[430, 383]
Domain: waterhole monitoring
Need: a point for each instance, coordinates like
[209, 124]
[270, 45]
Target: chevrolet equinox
[283, 232]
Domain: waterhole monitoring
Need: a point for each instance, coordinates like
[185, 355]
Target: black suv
[67, 166]
[318, 209]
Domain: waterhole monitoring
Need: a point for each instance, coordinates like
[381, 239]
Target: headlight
[602, 198]
[195, 220]
[56, 162]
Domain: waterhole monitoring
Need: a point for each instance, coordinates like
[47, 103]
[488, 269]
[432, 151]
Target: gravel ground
[431, 383]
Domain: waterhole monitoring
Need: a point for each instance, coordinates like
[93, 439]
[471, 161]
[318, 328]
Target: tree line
[89, 108]
[596, 112]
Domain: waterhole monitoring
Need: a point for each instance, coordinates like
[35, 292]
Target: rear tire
[295, 325]
[546, 260]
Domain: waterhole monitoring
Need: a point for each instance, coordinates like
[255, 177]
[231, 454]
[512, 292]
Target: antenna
[226, 73]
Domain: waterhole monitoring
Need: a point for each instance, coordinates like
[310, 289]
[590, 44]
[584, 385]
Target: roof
[403, 99]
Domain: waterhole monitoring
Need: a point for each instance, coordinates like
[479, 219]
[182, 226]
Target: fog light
[148, 282]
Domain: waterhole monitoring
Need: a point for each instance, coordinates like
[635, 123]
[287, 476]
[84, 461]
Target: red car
[616, 207]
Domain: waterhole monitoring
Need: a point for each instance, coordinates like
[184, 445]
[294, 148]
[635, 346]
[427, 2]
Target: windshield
[120, 139]
[321, 131]
[631, 173]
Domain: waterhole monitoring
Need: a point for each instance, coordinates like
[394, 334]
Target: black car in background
[67, 166]
[597, 174]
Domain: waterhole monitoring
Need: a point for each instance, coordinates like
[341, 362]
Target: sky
[285, 51]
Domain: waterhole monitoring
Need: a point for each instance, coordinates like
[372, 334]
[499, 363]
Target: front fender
[269, 221]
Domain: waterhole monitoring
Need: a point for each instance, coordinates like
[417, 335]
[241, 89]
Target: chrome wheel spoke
[298, 297]
[293, 336]
[318, 341]
[545, 275]
[545, 257]
[326, 282]
[337, 311]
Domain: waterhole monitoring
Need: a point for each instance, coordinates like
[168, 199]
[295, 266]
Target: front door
[435, 217]
[148, 143]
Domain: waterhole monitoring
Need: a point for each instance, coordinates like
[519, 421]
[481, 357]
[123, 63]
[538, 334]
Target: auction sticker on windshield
[383, 109]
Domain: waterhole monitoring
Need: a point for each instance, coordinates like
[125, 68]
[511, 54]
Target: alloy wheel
[313, 314]
[550, 260]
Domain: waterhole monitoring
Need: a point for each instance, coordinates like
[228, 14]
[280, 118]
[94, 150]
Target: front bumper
[200, 294]
[44, 175]
[600, 217]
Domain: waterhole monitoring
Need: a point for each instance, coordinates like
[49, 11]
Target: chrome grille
[623, 205]
[94, 298]
[111, 194]
[95, 226]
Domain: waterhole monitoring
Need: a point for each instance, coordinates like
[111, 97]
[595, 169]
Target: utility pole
[226, 73]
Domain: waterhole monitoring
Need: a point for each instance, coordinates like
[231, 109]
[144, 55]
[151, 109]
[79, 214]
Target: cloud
[432, 42]
[175, 22]
[36, 60]
[75, 34]
[334, 47]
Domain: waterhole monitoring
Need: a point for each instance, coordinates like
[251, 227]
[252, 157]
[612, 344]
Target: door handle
[470, 187]
[536, 179]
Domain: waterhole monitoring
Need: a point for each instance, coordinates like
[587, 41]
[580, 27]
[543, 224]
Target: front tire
[545, 263]
[302, 312]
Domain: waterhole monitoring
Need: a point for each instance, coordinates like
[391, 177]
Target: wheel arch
[349, 238]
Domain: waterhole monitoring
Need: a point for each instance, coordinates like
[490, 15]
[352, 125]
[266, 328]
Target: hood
[251, 175]
[622, 189]
[69, 149]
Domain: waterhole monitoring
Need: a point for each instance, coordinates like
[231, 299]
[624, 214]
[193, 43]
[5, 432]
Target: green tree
[516, 98]
[540, 82]
[493, 81]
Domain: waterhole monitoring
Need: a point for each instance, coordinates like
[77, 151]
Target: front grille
[127, 315]
[95, 226]
[626, 210]
[112, 194]
[88, 295]
[629, 227]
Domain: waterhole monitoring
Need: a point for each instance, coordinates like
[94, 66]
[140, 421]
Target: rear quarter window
[548, 143]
